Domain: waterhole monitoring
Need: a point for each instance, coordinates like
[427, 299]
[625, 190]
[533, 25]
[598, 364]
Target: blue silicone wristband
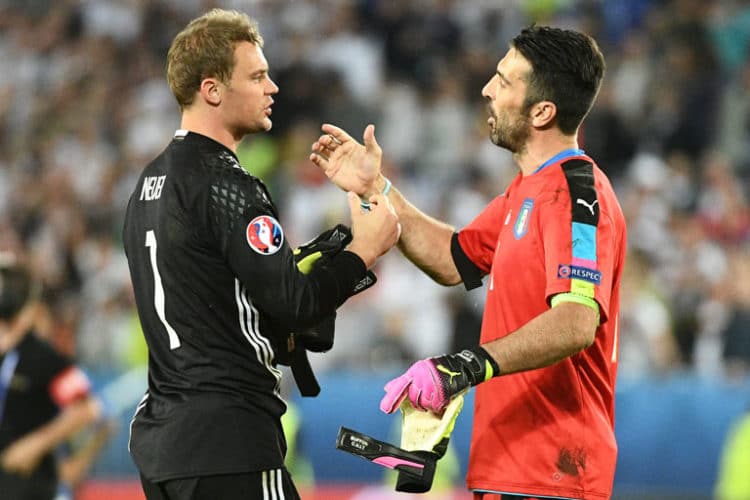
[384, 192]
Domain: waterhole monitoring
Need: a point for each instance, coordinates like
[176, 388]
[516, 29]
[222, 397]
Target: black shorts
[275, 484]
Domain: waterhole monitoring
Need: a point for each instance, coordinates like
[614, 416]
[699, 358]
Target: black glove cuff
[410, 483]
[483, 358]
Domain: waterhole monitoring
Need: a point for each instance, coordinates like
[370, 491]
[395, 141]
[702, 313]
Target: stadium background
[84, 105]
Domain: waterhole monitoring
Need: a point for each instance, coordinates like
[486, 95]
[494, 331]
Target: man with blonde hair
[215, 279]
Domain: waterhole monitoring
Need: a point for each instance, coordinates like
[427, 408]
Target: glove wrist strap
[488, 366]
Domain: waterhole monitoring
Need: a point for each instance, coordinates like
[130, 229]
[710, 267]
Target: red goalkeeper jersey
[549, 432]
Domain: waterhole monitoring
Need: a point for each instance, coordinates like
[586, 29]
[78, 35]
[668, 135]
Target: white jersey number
[174, 340]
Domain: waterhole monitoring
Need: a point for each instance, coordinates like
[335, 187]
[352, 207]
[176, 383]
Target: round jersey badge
[563, 271]
[264, 235]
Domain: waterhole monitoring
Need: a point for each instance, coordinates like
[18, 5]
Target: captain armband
[579, 299]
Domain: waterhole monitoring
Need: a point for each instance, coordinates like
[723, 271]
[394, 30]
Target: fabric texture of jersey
[215, 282]
[550, 431]
[34, 397]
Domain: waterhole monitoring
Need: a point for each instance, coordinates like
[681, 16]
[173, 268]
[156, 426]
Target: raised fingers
[336, 133]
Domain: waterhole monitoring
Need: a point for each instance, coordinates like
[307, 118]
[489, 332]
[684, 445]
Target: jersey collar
[565, 153]
[182, 134]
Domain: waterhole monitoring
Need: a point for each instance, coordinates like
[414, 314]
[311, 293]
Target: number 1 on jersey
[174, 340]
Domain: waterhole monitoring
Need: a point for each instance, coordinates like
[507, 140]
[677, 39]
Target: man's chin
[263, 126]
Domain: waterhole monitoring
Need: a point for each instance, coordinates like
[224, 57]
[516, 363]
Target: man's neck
[541, 148]
[201, 123]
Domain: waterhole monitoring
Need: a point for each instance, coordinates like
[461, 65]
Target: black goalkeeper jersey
[215, 285]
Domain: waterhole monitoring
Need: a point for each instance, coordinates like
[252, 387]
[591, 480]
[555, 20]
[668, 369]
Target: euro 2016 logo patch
[581, 273]
[523, 218]
[264, 235]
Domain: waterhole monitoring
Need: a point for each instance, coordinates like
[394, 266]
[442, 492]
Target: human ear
[543, 113]
[210, 90]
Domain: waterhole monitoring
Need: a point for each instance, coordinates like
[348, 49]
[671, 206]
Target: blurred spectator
[44, 398]
[736, 331]
[734, 120]
[647, 344]
[695, 266]
[722, 205]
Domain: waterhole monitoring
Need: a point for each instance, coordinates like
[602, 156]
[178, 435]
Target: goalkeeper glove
[291, 348]
[427, 435]
[317, 252]
[431, 383]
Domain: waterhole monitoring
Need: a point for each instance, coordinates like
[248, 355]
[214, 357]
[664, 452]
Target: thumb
[354, 207]
[395, 392]
[371, 144]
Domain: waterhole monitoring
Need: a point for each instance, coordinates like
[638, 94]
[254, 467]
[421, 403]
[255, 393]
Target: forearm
[71, 420]
[556, 334]
[425, 241]
[73, 469]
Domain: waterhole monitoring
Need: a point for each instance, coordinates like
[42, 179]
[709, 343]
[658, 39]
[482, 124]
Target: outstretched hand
[350, 165]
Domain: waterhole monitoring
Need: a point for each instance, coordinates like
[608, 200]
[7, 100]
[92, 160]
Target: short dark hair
[567, 69]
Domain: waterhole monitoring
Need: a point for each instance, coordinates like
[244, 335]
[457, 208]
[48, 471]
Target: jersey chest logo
[264, 235]
[523, 218]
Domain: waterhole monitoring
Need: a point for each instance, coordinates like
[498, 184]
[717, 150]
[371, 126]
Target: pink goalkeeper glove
[431, 383]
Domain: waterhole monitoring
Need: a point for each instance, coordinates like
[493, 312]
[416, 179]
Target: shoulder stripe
[580, 176]
[585, 216]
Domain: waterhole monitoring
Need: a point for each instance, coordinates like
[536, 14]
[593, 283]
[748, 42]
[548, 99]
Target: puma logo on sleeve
[583, 202]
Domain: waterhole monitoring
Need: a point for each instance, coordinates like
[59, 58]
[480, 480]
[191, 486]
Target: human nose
[273, 89]
[486, 90]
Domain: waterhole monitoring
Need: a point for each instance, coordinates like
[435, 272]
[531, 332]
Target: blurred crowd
[84, 106]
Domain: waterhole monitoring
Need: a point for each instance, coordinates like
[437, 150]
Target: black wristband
[485, 358]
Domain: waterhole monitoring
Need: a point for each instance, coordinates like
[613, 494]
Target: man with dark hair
[553, 245]
[216, 283]
[44, 398]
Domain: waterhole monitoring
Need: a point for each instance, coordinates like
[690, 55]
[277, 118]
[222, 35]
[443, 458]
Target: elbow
[581, 324]
[446, 280]
[584, 328]
[576, 338]
[584, 337]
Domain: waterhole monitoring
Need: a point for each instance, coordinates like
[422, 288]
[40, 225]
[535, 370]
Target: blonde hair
[205, 48]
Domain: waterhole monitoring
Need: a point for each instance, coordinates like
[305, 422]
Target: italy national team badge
[264, 235]
[523, 218]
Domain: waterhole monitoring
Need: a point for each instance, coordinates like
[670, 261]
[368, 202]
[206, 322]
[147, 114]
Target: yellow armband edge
[579, 299]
